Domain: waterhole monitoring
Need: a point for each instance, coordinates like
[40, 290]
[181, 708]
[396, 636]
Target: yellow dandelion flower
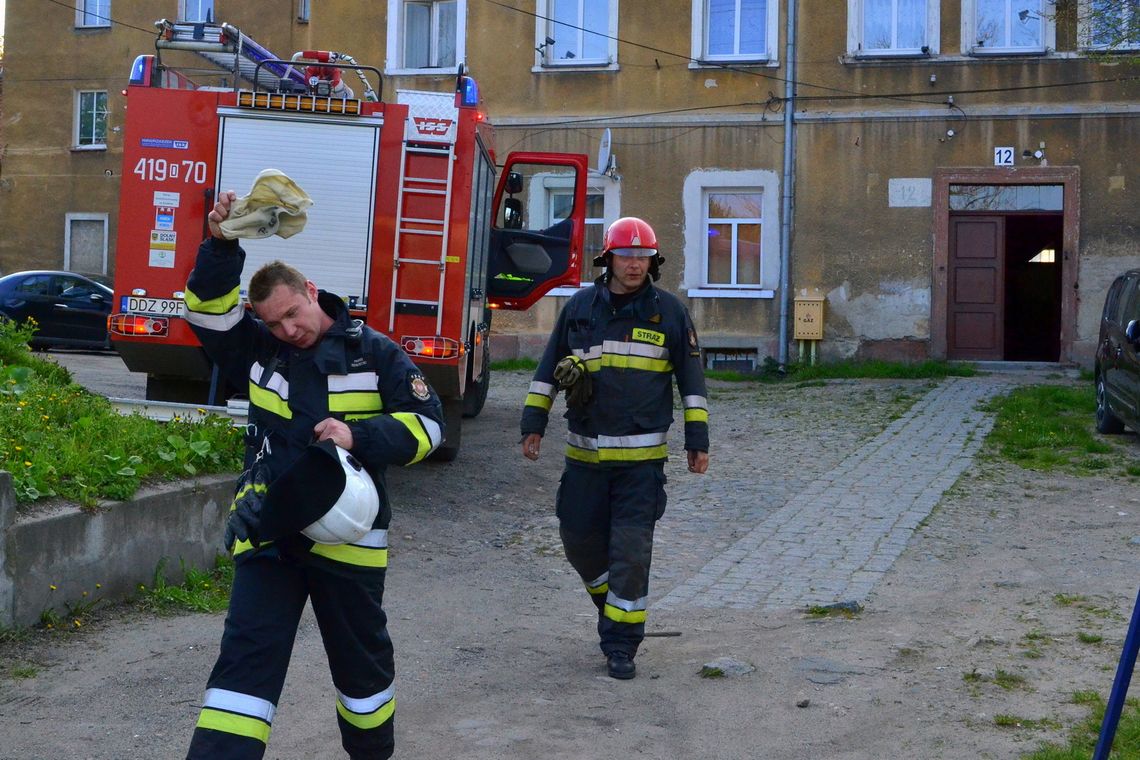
[77, 623]
[98, 585]
[27, 463]
[85, 593]
[19, 448]
[52, 587]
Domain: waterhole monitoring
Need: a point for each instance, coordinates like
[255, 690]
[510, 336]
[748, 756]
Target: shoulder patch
[693, 338]
[419, 387]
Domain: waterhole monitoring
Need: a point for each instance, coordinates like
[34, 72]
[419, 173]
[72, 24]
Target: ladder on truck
[227, 48]
[423, 209]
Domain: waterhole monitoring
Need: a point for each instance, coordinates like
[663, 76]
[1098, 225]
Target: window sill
[88, 148]
[887, 55]
[770, 63]
[729, 293]
[567, 68]
[441, 71]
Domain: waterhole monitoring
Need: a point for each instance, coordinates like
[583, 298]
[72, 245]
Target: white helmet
[351, 516]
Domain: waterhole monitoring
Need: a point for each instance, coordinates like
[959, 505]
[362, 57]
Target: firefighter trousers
[606, 518]
[268, 596]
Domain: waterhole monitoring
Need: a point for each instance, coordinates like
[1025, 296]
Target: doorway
[1005, 265]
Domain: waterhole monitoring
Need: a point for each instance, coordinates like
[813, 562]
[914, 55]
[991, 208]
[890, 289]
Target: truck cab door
[538, 229]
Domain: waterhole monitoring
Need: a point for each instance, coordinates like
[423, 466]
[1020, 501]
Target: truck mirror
[512, 214]
[514, 183]
[1132, 331]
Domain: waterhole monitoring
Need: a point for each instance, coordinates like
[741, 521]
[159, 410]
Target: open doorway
[1033, 287]
[1004, 263]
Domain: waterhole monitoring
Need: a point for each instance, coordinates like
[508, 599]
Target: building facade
[959, 185]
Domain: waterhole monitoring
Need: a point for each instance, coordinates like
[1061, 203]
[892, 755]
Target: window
[732, 234]
[425, 35]
[576, 32]
[91, 119]
[1007, 26]
[734, 30]
[93, 13]
[1110, 24]
[85, 243]
[892, 27]
[196, 10]
[303, 11]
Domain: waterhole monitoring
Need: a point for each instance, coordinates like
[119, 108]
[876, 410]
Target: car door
[79, 311]
[1125, 377]
[30, 298]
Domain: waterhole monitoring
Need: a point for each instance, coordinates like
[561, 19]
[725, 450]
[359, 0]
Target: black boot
[620, 665]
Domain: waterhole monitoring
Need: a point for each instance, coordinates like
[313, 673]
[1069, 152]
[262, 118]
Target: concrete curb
[105, 555]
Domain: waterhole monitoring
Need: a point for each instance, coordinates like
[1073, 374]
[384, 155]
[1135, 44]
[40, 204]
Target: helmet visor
[638, 252]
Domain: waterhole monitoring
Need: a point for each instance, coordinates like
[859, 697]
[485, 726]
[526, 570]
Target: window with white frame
[576, 32]
[1110, 24]
[196, 10]
[92, 13]
[85, 243]
[603, 206]
[892, 27]
[91, 119]
[1007, 26]
[303, 11]
[732, 235]
[425, 35]
[726, 31]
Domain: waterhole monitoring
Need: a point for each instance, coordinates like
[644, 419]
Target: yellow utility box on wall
[808, 318]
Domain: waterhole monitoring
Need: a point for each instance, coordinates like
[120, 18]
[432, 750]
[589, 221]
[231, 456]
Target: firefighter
[313, 374]
[614, 349]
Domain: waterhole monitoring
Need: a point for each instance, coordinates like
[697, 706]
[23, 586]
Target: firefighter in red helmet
[615, 350]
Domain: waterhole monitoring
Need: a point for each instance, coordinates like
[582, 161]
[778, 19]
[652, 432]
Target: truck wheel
[178, 390]
[476, 395]
[453, 419]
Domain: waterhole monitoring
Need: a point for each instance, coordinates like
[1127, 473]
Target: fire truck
[412, 222]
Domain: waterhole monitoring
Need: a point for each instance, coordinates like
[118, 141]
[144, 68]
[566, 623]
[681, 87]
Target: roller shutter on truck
[334, 162]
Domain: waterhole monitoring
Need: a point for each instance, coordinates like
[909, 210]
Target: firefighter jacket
[354, 374]
[632, 354]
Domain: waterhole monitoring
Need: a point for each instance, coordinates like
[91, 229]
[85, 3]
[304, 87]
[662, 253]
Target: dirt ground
[994, 609]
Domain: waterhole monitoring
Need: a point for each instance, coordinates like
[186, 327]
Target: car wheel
[1106, 421]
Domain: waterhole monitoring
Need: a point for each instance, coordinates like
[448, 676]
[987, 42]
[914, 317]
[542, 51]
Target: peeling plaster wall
[900, 310]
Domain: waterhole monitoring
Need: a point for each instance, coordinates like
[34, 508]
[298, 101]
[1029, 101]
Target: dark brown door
[975, 313]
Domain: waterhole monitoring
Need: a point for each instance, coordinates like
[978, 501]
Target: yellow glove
[574, 378]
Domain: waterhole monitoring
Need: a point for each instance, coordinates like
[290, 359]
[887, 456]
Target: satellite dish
[604, 152]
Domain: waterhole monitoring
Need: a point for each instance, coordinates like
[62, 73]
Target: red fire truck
[411, 221]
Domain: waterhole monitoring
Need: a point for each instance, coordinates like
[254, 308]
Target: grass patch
[1003, 678]
[1083, 736]
[48, 425]
[840, 609]
[201, 591]
[1014, 721]
[514, 365]
[1050, 428]
[805, 375]
[1089, 638]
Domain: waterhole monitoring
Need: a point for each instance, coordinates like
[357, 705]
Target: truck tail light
[138, 324]
[431, 347]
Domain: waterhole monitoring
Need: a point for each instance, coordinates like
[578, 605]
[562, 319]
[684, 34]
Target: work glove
[574, 378]
[244, 522]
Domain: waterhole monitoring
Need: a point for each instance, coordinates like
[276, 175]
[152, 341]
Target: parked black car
[1117, 367]
[70, 309]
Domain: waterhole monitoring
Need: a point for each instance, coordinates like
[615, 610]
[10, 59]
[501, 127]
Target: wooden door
[976, 285]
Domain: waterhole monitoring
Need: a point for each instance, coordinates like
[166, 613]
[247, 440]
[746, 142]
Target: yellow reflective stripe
[618, 615]
[350, 554]
[595, 590]
[540, 401]
[371, 720]
[581, 455]
[412, 422]
[634, 362]
[269, 401]
[363, 416]
[355, 401]
[696, 415]
[219, 305]
[633, 455]
[241, 725]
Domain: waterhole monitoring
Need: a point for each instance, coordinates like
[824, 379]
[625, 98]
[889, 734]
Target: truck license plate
[161, 307]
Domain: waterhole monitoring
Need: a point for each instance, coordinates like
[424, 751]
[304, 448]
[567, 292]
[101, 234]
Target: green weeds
[201, 591]
[1083, 737]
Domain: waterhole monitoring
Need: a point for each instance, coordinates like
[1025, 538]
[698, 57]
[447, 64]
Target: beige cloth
[275, 206]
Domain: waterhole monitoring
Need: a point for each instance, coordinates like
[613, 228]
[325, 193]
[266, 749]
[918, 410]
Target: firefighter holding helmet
[331, 404]
[615, 349]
